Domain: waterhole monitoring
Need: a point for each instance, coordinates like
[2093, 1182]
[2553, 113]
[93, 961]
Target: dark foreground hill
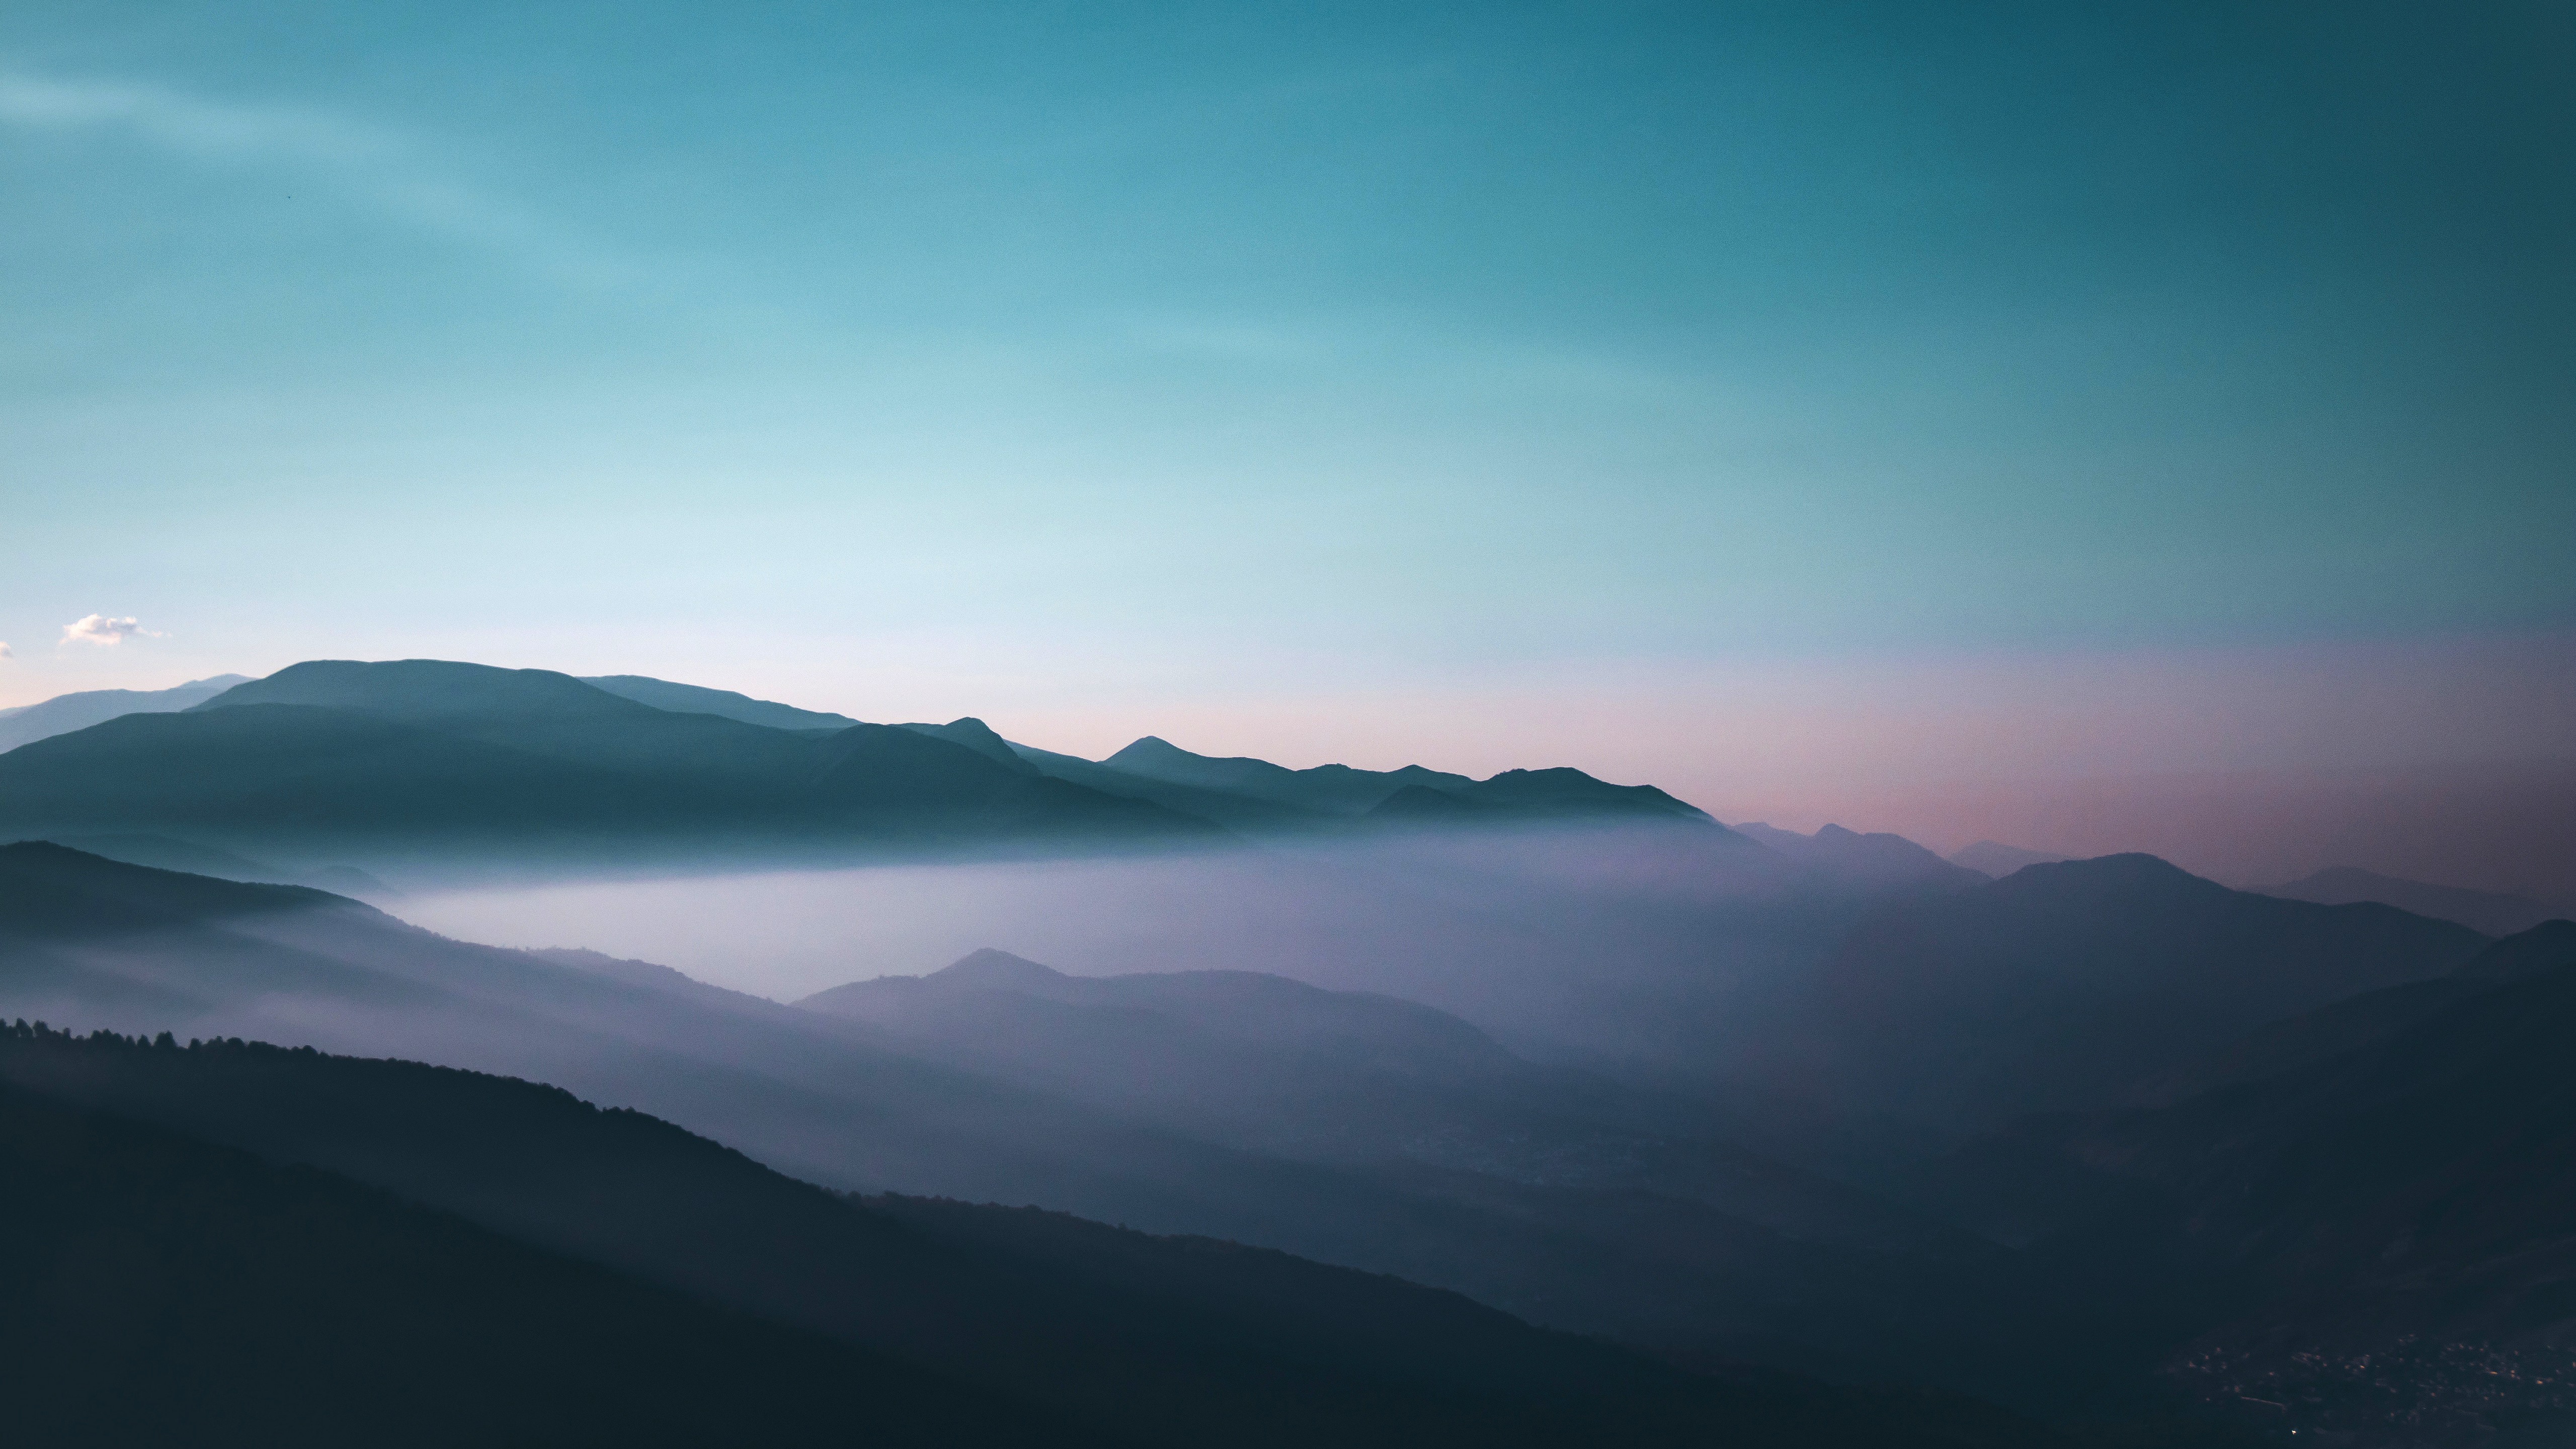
[160, 1290]
[1582, 1224]
[1156, 1341]
[2374, 1241]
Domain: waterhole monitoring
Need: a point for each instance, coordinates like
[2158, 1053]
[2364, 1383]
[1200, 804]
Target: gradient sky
[1895, 393]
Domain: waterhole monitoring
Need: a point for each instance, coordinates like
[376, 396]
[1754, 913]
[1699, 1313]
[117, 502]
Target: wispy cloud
[391, 174]
[103, 631]
[4, 650]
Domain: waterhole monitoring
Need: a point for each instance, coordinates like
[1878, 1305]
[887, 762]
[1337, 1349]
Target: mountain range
[358, 763]
[1414, 1129]
[1753, 1259]
[64, 713]
[723, 1301]
[2494, 912]
[2363, 1230]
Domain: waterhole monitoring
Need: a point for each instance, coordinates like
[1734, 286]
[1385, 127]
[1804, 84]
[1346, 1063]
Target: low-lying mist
[1513, 930]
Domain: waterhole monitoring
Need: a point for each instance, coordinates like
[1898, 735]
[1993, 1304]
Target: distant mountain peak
[1994, 858]
[989, 969]
[418, 689]
[2493, 912]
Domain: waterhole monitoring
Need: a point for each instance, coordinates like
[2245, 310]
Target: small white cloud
[103, 631]
[4, 650]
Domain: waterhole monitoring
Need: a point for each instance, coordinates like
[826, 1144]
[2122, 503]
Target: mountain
[1994, 858]
[2313, 1038]
[1573, 1205]
[163, 1290]
[1423, 1102]
[1554, 794]
[2377, 1239]
[978, 736]
[1267, 1064]
[460, 760]
[1132, 1338]
[724, 703]
[163, 853]
[2058, 987]
[1325, 789]
[1850, 860]
[1409, 795]
[1251, 813]
[67, 712]
[2491, 912]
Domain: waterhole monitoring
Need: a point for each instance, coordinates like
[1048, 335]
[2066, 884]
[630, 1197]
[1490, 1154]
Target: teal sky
[1109, 362]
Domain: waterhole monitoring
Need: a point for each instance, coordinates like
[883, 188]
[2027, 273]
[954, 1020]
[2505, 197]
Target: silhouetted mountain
[67, 712]
[1994, 858]
[335, 757]
[2375, 1242]
[2313, 1038]
[725, 703]
[159, 1290]
[1155, 1341]
[2488, 911]
[163, 853]
[1849, 860]
[2057, 988]
[1226, 807]
[1556, 794]
[1625, 1250]
[978, 736]
[1326, 789]
[1272, 1065]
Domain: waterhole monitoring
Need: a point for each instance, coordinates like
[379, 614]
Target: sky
[1814, 408]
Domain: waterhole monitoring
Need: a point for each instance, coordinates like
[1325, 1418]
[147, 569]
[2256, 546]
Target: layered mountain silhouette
[2063, 985]
[160, 1289]
[67, 712]
[1873, 862]
[1060, 1329]
[2493, 912]
[723, 703]
[1272, 1065]
[2363, 1231]
[424, 758]
[1409, 794]
[1639, 1229]
[1994, 858]
[381, 758]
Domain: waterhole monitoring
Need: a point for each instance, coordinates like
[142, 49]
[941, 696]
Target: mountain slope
[67, 712]
[462, 761]
[2488, 911]
[1161, 1341]
[2058, 987]
[1271, 1065]
[662, 694]
[1994, 858]
[1224, 806]
[1756, 1265]
[1327, 789]
[1850, 860]
[159, 1290]
[2382, 1231]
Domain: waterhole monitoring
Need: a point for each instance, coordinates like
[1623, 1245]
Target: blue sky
[1094, 365]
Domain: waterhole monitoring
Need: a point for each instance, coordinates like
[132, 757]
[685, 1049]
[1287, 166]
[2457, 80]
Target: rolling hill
[1123, 1337]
